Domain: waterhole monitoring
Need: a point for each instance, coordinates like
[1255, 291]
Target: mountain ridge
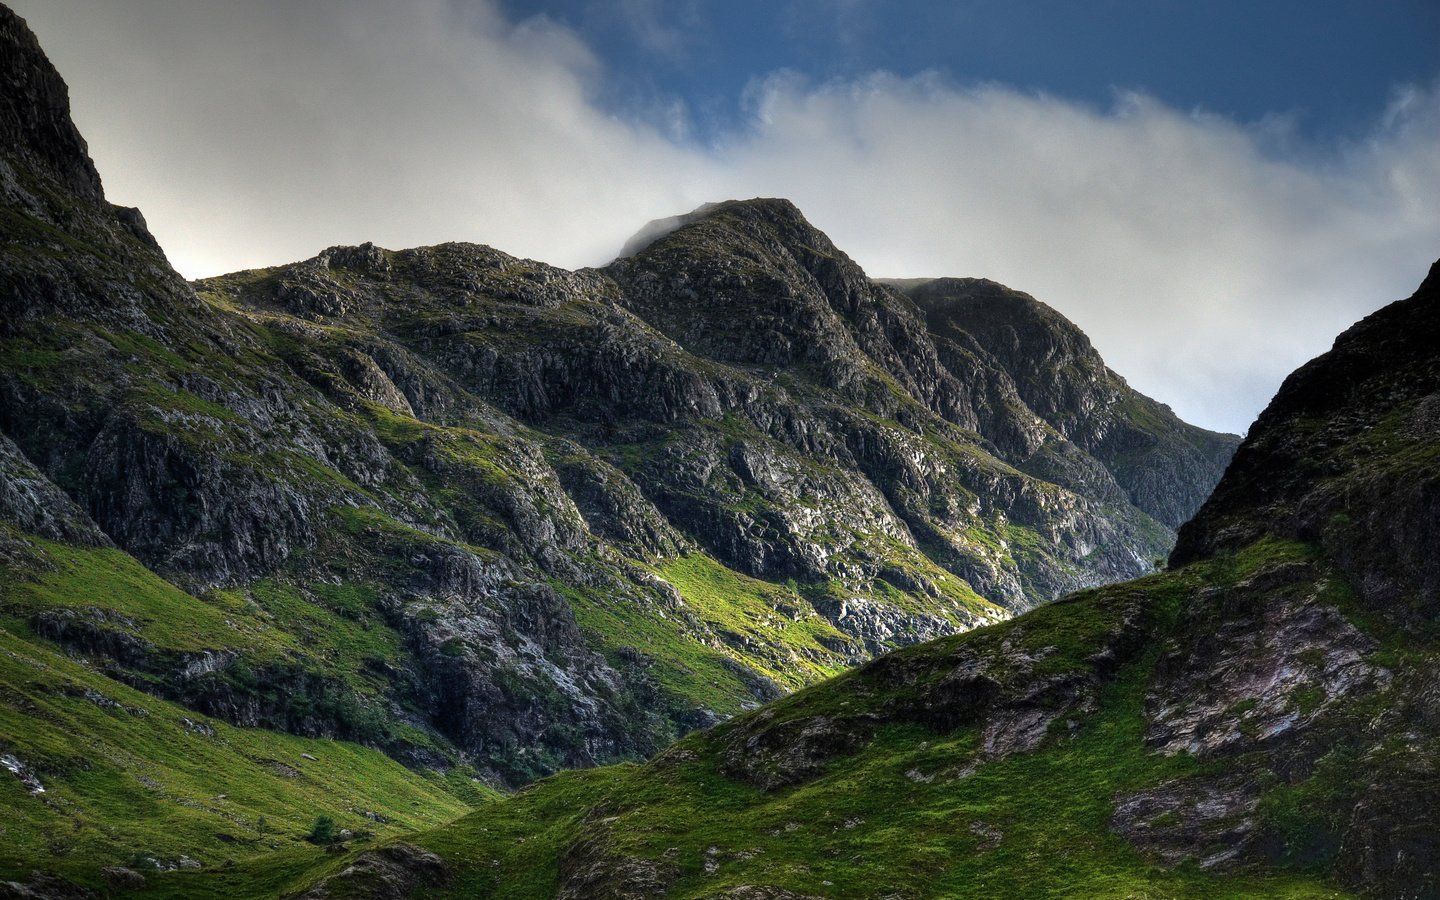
[569, 528]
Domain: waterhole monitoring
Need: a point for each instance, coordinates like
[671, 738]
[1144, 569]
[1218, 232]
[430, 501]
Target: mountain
[1017, 347]
[478, 511]
[1260, 720]
[365, 535]
[325, 550]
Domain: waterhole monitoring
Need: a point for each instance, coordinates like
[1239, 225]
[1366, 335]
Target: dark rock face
[1283, 674]
[592, 868]
[32, 503]
[1254, 652]
[35, 110]
[1210, 822]
[42, 886]
[1044, 372]
[1345, 456]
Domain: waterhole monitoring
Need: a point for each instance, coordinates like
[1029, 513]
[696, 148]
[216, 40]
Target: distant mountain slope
[1262, 721]
[489, 517]
[1162, 465]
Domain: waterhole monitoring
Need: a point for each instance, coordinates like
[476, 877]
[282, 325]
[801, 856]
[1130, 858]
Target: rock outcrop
[1345, 457]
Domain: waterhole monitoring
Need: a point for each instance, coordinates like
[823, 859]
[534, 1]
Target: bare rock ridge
[35, 110]
[571, 515]
[1162, 465]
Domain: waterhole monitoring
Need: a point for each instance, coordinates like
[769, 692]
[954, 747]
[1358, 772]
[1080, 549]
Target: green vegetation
[129, 778]
[332, 640]
[323, 831]
[916, 811]
[767, 628]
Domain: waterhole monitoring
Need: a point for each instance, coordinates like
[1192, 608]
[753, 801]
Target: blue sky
[1210, 190]
[1328, 63]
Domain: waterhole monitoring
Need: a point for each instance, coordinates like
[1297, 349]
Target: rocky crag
[480, 511]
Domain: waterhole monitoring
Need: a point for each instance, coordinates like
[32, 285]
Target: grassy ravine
[905, 816]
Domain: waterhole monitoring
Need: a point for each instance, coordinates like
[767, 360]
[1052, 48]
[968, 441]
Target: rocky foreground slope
[1262, 720]
[497, 518]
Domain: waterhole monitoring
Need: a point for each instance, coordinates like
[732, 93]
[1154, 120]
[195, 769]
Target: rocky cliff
[1345, 458]
[1056, 408]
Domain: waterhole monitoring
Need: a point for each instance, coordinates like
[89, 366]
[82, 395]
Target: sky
[1211, 191]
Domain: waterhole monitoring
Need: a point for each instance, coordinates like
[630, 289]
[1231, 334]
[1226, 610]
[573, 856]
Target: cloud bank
[1205, 258]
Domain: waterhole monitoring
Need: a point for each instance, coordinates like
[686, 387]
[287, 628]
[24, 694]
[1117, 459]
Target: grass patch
[902, 815]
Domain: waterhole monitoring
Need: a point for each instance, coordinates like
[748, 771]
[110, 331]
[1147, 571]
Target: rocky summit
[301, 567]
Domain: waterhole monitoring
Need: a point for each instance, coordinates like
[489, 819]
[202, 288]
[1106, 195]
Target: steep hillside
[1345, 458]
[1039, 368]
[486, 515]
[1261, 720]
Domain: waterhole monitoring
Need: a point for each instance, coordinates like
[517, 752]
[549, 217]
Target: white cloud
[255, 133]
[1202, 267]
[1205, 258]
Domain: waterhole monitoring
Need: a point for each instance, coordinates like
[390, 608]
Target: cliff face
[1345, 457]
[1030, 352]
[477, 510]
[35, 111]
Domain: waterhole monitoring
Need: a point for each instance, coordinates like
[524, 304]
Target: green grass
[334, 639]
[126, 778]
[60, 576]
[335, 629]
[901, 816]
[766, 627]
[773, 619]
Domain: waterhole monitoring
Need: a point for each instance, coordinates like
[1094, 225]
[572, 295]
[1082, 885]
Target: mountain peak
[35, 119]
[772, 209]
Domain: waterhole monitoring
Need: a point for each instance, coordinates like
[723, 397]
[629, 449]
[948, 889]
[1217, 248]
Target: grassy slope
[333, 631]
[910, 814]
[128, 776]
[750, 612]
